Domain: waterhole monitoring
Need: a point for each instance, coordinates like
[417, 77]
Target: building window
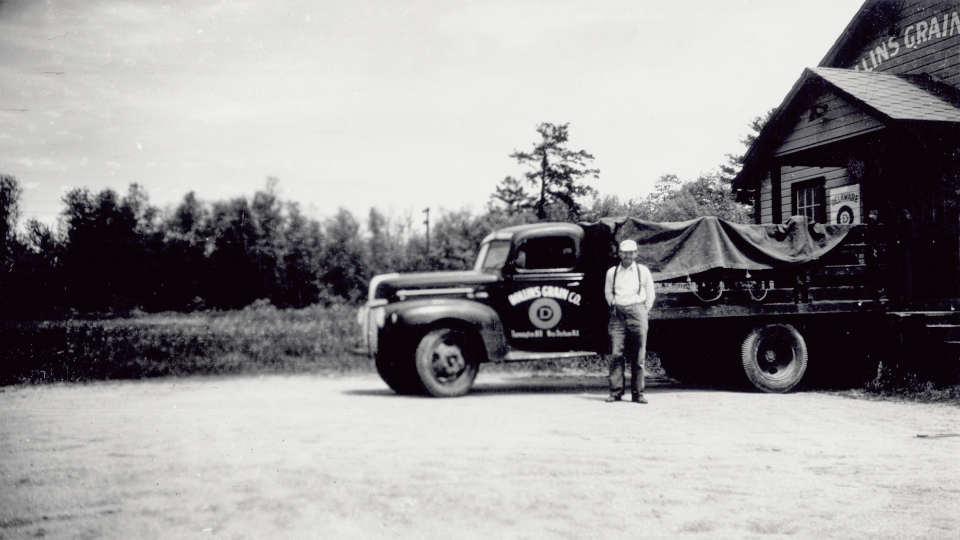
[809, 199]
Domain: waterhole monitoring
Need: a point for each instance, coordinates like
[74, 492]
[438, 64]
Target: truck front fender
[408, 321]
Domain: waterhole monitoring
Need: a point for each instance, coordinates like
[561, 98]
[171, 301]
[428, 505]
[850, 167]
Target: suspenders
[617, 271]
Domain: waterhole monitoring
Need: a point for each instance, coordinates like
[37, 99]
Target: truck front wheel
[774, 357]
[446, 362]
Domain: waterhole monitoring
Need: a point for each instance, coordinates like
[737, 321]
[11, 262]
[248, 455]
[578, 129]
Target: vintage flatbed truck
[757, 303]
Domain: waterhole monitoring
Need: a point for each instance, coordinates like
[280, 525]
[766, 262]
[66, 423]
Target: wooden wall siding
[834, 177]
[842, 120]
[937, 55]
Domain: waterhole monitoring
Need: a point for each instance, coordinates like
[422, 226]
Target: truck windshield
[492, 256]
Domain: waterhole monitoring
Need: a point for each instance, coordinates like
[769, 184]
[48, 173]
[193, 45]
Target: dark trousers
[628, 339]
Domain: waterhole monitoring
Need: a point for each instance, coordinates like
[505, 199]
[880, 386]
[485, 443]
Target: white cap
[628, 245]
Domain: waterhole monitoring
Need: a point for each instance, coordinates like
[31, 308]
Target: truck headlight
[378, 316]
[373, 308]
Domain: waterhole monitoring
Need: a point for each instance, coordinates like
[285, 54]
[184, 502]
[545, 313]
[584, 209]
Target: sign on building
[843, 205]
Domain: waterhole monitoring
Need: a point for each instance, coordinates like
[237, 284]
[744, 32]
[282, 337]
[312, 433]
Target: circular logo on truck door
[544, 313]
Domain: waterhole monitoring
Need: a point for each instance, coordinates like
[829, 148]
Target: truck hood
[395, 286]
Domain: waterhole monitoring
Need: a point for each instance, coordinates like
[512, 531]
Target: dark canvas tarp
[683, 248]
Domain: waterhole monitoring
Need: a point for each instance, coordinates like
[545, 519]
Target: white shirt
[631, 287]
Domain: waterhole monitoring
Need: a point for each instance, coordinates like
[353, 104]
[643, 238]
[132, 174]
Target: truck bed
[843, 281]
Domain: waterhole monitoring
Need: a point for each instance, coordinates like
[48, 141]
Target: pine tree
[556, 172]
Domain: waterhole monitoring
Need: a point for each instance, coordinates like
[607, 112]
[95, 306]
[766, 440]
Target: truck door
[542, 298]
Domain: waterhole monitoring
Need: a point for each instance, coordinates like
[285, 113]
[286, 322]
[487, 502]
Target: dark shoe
[613, 399]
[640, 399]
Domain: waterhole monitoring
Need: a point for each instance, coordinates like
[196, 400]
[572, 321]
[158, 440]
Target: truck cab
[527, 297]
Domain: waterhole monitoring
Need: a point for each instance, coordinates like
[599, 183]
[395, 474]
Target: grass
[259, 339]
[900, 384]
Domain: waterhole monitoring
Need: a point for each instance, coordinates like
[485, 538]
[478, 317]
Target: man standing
[630, 293]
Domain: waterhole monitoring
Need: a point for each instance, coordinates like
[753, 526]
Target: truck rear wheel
[774, 357]
[446, 362]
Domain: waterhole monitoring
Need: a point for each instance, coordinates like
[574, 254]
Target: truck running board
[521, 356]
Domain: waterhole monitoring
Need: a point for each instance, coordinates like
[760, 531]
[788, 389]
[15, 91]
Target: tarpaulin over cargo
[683, 248]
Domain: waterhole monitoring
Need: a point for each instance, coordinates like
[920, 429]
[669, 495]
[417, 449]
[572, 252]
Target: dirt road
[520, 457]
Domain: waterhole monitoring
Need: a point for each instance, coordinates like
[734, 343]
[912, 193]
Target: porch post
[776, 202]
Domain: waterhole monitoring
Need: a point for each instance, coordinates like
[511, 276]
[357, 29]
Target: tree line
[113, 253]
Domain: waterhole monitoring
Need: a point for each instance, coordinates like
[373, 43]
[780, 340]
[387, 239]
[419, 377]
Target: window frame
[484, 252]
[820, 191]
[520, 245]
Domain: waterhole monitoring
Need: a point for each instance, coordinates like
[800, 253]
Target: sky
[395, 105]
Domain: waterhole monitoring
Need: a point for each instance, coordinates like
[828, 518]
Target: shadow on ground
[557, 384]
[549, 384]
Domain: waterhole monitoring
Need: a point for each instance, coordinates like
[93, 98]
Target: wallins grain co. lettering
[544, 291]
[912, 36]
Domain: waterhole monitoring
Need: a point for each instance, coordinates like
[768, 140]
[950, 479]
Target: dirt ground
[520, 457]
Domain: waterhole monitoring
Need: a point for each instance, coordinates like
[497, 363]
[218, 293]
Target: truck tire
[446, 362]
[774, 357]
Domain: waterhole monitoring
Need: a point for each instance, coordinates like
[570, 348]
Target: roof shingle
[895, 96]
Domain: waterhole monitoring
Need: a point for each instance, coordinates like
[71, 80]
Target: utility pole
[427, 223]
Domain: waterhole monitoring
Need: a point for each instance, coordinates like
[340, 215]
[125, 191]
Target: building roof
[897, 97]
[890, 98]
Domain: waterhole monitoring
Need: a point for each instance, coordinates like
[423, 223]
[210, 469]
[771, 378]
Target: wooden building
[872, 135]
